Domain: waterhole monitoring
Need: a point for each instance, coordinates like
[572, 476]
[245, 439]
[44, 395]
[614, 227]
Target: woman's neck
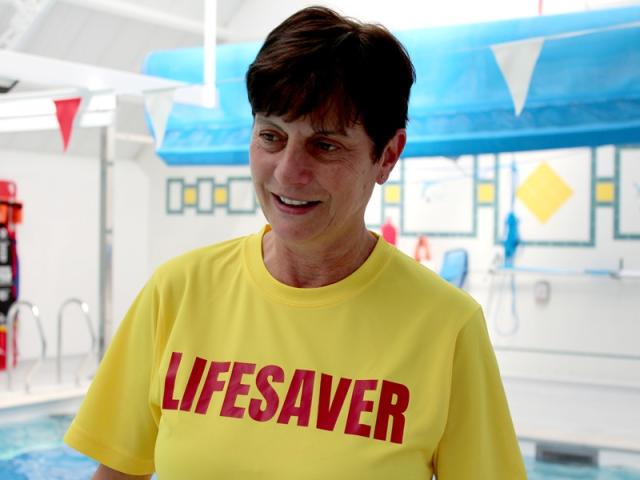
[308, 267]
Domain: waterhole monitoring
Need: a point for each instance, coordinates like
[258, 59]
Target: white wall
[171, 235]
[58, 241]
[133, 204]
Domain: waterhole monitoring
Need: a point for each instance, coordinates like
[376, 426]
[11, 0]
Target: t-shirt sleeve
[116, 423]
[479, 440]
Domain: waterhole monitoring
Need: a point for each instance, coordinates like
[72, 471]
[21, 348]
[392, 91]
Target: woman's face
[313, 185]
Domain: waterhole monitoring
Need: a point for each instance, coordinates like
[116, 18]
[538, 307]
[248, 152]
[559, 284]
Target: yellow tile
[189, 196]
[486, 193]
[220, 195]
[392, 194]
[605, 192]
[544, 192]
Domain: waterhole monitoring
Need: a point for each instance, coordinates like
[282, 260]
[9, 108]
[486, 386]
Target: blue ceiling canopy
[584, 91]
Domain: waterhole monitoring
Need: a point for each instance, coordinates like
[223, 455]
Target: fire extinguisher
[10, 216]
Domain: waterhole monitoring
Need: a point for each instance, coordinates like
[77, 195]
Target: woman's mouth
[294, 203]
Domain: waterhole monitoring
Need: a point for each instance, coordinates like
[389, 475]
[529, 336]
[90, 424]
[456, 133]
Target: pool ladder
[35, 313]
[11, 319]
[84, 308]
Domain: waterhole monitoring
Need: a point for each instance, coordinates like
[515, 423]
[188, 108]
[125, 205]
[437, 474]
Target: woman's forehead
[316, 122]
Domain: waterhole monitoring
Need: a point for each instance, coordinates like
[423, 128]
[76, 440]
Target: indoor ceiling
[118, 34]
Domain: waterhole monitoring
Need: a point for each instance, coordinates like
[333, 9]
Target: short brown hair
[317, 62]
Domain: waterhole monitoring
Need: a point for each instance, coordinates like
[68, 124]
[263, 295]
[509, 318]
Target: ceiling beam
[25, 21]
[128, 86]
[61, 73]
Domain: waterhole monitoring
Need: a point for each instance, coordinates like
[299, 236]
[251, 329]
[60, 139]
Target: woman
[312, 349]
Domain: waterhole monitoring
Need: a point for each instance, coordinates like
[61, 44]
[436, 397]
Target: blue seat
[454, 266]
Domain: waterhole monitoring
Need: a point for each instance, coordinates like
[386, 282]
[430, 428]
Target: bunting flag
[158, 104]
[517, 61]
[66, 110]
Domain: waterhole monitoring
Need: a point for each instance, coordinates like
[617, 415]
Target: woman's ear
[391, 154]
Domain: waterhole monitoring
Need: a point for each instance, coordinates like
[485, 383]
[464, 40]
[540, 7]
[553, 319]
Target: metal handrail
[84, 307]
[11, 318]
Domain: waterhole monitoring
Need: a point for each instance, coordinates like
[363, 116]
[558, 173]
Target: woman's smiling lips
[292, 205]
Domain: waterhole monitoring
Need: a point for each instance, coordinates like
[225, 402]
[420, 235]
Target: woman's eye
[268, 137]
[327, 147]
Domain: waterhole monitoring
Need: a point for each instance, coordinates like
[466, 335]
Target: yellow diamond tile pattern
[486, 193]
[220, 195]
[605, 192]
[392, 194]
[544, 192]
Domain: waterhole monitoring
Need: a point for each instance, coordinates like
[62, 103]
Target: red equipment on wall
[10, 216]
[389, 232]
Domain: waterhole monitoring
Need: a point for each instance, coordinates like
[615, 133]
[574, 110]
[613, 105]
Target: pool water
[40, 434]
[34, 451]
[59, 463]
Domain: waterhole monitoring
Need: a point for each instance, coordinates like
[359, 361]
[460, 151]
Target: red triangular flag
[66, 111]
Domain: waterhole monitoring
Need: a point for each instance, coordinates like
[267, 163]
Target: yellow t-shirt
[220, 371]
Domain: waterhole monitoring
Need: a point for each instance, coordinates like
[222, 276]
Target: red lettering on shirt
[331, 406]
[329, 410]
[388, 407]
[270, 396]
[211, 384]
[301, 386]
[168, 402]
[235, 388]
[359, 405]
[192, 385]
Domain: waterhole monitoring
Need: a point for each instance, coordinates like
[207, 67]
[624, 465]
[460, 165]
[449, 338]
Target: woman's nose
[294, 166]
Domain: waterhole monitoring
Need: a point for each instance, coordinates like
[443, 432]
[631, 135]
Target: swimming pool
[33, 450]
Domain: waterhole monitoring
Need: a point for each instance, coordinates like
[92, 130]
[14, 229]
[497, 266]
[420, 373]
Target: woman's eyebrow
[266, 121]
[339, 132]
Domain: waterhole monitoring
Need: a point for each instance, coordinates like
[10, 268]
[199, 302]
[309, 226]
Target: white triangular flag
[158, 104]
[517, 61]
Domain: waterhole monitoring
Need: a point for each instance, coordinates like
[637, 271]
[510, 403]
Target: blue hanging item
[585, 90]
[511, 239]
[512, 232]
